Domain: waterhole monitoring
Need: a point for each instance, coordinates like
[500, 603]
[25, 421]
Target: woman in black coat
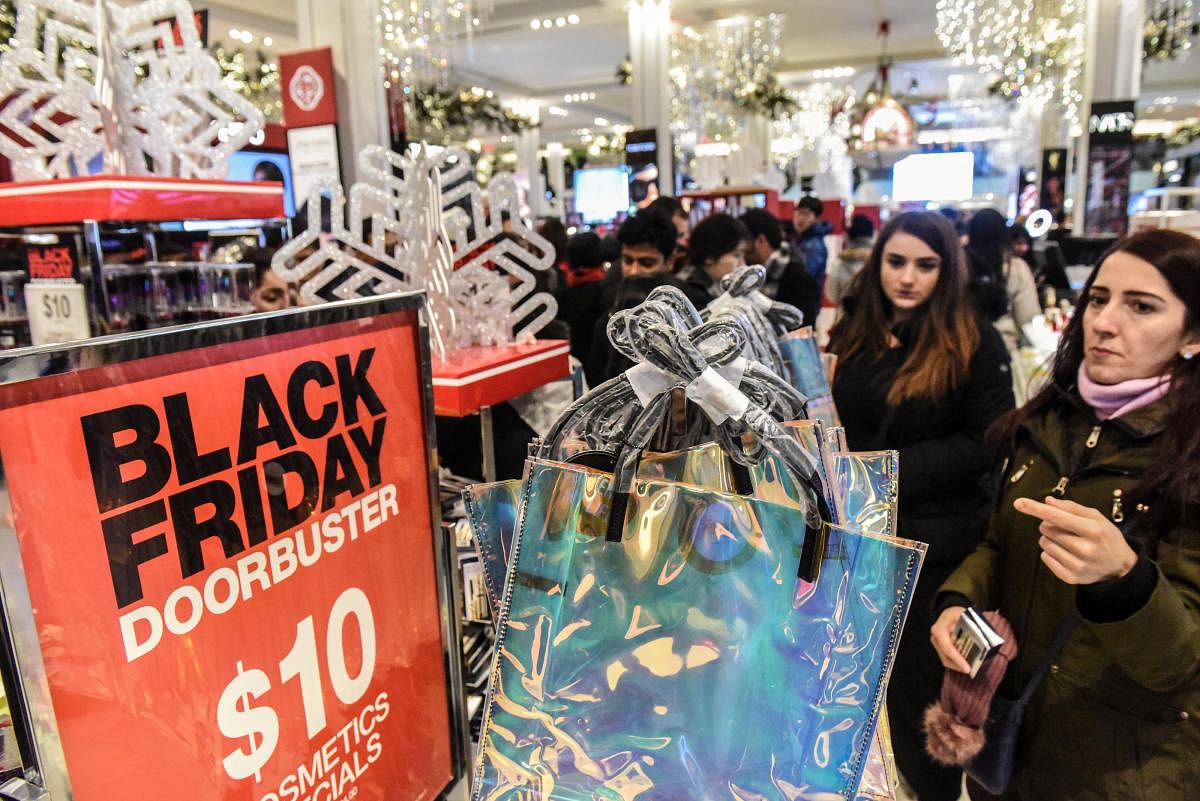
[919, 373]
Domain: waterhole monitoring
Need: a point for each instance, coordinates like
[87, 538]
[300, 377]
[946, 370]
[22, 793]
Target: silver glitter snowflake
[100, 81]
[421, 222]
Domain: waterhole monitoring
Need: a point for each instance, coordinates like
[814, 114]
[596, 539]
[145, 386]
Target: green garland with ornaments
[463, 110]
[8, 23]
[767, 98]
[253, 75]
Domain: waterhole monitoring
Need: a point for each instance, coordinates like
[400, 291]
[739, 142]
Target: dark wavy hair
[714, 237]
[944, 328]
[1175, 475]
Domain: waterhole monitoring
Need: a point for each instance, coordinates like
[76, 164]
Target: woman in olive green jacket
[1100, 514]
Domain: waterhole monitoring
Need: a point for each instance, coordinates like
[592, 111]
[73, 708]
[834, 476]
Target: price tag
[57, 312]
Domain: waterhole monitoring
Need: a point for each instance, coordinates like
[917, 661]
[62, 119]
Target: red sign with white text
[230, 560]
[308, 91]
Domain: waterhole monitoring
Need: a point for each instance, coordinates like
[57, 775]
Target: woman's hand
[941, 634]
[1079, 544]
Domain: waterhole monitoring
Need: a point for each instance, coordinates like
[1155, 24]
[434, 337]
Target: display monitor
[601, 193]
[258, 165]
[934, 177]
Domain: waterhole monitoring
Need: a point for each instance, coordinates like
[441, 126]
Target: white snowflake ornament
[429, 229]
[88, 80]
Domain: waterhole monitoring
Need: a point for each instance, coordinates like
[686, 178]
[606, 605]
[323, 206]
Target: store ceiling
[507, 55]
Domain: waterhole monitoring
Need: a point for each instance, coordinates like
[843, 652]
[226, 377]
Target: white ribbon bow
[715, 390]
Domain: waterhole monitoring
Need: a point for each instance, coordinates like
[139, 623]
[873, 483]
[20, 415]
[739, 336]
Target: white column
[350, 28]
[1112, 71]
[650, 54]
[556, 171]
[528, 144]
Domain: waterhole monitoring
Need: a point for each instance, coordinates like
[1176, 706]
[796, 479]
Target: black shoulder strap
[1060, 639]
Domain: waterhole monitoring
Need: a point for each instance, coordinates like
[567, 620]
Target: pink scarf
[1114, 400]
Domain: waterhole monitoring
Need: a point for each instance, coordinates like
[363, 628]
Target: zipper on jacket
[1118, 514]
[1060, 489]
[1020, 472]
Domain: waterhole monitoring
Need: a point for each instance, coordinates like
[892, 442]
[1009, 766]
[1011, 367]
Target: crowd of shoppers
[1081, 506]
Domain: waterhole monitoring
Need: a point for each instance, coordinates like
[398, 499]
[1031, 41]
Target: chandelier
[416, 35]
[711, 69]
[1170, 26]
[1036, 46]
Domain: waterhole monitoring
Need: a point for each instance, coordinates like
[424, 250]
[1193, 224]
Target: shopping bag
[880, 778]
[685, 661]
[654, 636]
[762, 319]
[492, 508]
[805, 369]
[861, 488]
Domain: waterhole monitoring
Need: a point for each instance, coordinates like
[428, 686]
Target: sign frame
[35, 727]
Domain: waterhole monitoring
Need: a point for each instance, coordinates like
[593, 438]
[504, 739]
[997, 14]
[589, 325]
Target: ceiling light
[558, 112]
[547, 23]
[268, 41]
[601, 122]
[561, 22]
[535, 23]
[573, 19]
[235, 33]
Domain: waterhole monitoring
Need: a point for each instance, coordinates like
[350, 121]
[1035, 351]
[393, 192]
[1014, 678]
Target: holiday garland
[767, 98]
[1169, 30]
[463, 110]
[8, 23]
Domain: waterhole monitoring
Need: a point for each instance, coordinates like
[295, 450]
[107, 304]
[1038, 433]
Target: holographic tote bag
[492, 509]
[806, 372]
[861, 488]
[685, 661]
[681, 641]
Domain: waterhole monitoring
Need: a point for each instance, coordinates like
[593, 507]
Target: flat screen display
[934, 177]
[246, 165]
[601, 193]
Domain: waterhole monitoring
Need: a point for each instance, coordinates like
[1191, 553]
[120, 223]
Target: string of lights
[1036, 46]
[712, 68]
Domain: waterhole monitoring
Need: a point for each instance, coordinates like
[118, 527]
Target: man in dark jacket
[810, 236]
[647, 244]
[787, 279]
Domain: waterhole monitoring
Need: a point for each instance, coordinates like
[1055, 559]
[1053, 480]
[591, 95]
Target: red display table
[141, 198]
[472, 380]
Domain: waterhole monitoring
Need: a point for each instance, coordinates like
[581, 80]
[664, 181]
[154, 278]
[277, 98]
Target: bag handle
[673, 357]
[747, 282]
